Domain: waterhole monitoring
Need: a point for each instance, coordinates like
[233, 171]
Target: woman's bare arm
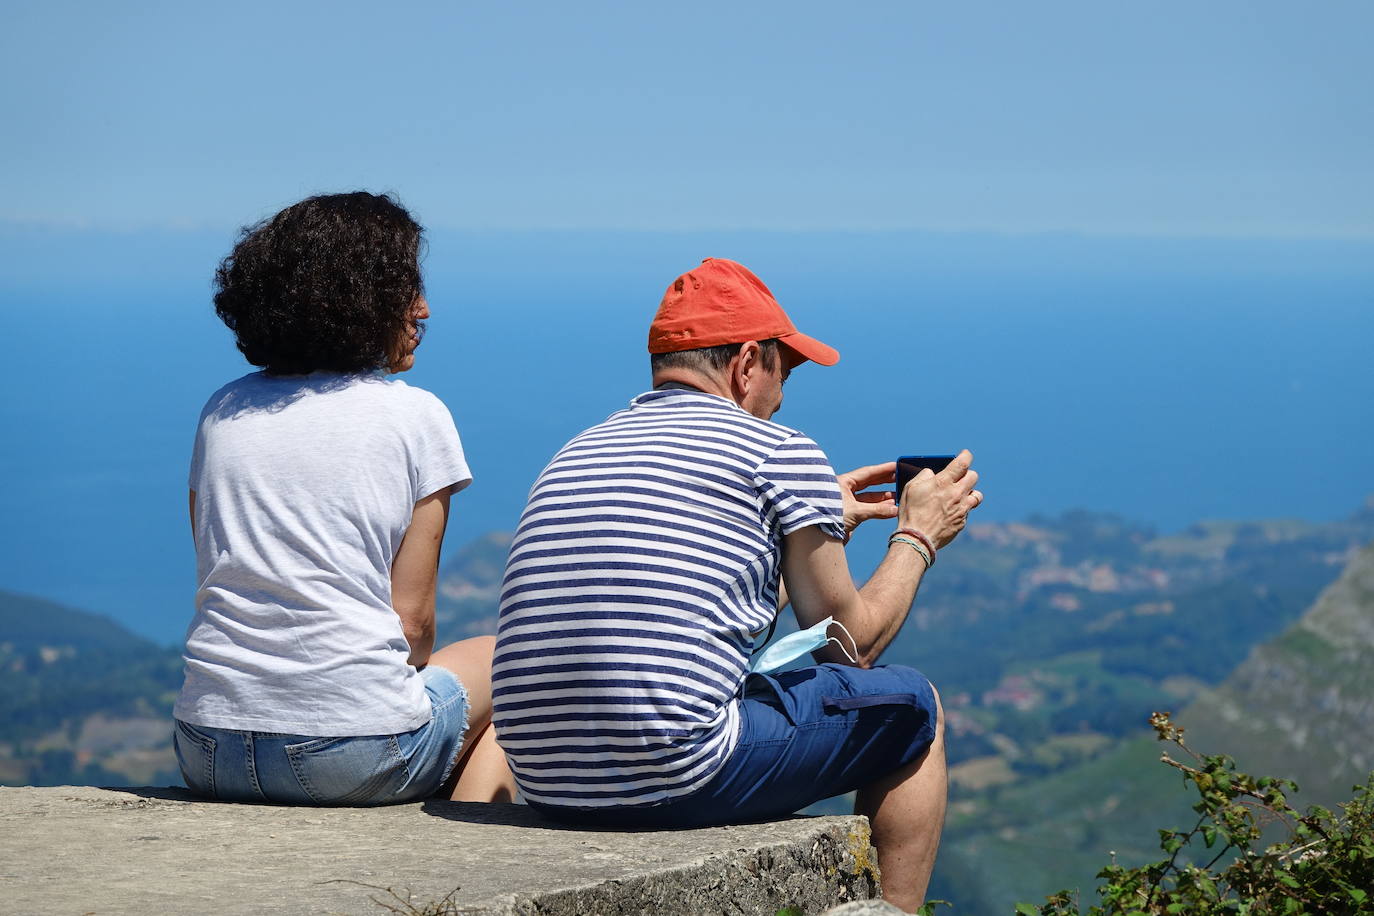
[415, 574]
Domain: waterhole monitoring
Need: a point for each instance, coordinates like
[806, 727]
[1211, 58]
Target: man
[648, 559]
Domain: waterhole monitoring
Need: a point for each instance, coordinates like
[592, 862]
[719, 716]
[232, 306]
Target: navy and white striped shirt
[646, 560]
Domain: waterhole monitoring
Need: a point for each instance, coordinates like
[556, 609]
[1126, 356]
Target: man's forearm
[890, 593]
[884, 602]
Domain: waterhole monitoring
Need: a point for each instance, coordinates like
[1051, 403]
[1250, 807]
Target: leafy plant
[1323, 864]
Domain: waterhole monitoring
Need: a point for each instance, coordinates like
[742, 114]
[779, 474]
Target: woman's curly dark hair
[326, 284]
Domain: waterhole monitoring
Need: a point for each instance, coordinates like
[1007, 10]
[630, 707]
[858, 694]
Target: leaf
[1209, 834]
[1027, 909]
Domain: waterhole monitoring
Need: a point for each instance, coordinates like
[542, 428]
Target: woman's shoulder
[235, 396]
[360, 395]
[383, 386]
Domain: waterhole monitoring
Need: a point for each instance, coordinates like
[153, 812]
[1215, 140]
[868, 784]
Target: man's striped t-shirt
[645, 562]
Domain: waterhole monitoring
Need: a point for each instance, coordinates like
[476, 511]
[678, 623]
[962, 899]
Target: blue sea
[1167, 380]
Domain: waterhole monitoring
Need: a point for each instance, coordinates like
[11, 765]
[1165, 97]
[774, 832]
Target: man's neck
[697, 381]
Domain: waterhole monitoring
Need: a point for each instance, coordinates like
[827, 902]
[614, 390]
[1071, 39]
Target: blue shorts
[244, 766]
[804, 735]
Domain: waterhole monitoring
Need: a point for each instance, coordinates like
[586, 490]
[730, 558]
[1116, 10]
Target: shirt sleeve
[197, 461]
[439, 458]
[198, 452]
[799, 488]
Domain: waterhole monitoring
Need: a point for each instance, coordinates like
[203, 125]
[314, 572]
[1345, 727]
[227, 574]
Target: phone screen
[908, 466]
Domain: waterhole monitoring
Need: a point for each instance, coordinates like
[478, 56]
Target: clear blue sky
[1235, 117]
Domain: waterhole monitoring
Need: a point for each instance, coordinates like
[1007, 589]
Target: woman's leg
[481, 773]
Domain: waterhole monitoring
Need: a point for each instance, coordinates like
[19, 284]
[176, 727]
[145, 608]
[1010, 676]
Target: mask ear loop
[852, 658]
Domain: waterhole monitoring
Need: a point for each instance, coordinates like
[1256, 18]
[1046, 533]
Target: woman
[319, 496]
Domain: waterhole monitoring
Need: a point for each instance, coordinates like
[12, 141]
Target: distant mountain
[1049, 637]
[82, 700]
[470, 588]
[28, 623]
[1302, 705]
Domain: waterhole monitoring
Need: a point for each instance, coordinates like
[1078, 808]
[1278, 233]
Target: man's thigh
[825, 730]
[805, 735]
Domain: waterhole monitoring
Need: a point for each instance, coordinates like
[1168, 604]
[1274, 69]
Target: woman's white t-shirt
[304, 487]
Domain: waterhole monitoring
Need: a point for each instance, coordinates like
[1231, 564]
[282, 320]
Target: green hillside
[1077, 627]
[27, 623]
[82, 700]
[1302, 705]
[1022, 841]
[470, 588]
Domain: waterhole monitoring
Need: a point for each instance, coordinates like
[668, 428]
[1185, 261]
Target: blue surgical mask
[795, 645]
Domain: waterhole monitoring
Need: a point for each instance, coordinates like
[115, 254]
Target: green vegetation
[1323, 864]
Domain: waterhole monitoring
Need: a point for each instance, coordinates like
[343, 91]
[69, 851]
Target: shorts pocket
[844, 704]
[196, 757]
[366, 770]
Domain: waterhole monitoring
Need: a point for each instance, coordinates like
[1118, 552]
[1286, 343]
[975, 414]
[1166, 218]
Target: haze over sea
[1167, 380]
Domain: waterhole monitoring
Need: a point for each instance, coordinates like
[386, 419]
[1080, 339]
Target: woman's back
[319, 496]
[304, 490]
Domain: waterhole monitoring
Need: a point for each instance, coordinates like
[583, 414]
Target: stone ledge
[148, 850]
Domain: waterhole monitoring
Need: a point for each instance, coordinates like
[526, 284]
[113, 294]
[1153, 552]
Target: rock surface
[864, 908]
[137, 851]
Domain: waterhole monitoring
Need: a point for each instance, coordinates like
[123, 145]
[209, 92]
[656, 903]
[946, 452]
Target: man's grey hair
[712, 359]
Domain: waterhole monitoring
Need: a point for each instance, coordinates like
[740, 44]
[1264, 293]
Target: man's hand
[862, 507]
[938, 504]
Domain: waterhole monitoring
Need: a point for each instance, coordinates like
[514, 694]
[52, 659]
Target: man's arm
[816, 573]
[863, 507]
[860, 507]
[415, 574]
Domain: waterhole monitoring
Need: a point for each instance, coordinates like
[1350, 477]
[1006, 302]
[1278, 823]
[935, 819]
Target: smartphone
[908, 466]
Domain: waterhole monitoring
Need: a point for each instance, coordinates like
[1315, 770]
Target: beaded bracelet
[914, 545]
[920, 536]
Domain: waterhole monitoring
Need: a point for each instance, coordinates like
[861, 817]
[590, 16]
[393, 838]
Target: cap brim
[801, 348]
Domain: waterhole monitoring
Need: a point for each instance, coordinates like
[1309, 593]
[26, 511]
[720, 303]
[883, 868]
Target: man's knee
[939, 716]
[928, 703]
[921, 733]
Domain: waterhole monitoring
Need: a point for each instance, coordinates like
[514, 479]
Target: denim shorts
[246, 766]
[804, 735]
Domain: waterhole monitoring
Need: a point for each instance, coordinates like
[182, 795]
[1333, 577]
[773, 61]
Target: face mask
[795, 645]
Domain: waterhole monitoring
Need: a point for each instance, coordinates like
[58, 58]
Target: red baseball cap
[722, 302]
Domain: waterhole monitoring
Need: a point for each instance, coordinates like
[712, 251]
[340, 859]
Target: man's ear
[743, 365]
